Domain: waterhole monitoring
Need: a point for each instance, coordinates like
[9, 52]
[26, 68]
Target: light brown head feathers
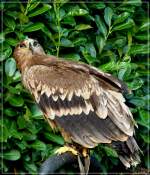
[26, 51]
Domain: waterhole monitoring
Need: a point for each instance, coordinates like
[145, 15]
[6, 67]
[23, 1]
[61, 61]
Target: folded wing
[86, 103]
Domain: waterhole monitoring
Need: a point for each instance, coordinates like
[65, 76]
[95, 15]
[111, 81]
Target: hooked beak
[30, 46]
[26, 44]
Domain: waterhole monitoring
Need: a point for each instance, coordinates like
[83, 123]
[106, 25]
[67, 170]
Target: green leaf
[108, 13]
[32, 128]
[142, 37]
[27, 113]
[33, 6]
[126, 25]
[144, 116]
[27, 136]
[5, 54]
[5, 134]
[30, 167]
[47, 32]
[139, 49]
[13, 90]
[13, 14]
[36, 112]
[145, 26]
[122, 17]
[146, 125]
[62, 14]
[101, 26]
[100, 41]
[54, 138]
[23, 146]
[34, 27]
[21, 122]
[38, 145]
[125, 70]
[64, 32]
[10, 112]
[110, 152]
[79, 41]
[77, 12]
[137, 101]
[39, 11]
[20, 35]
[10, 67]
[16, 101]
[135, 84]
[23, 18]
[108, 66]
[66, 43]
[9, 22]
[119, 42]
[11, 155]
[87, 55]
[13, 131]
[82, 27]
[91, 49]
[69, 20]
[12, 41]
[72, 56]
[8, 31]
[145, 138]
[97, 5]
[17, 76]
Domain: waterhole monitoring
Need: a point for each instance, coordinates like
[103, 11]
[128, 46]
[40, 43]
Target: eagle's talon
[64, 149]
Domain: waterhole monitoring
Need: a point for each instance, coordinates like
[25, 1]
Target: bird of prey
[84, 103]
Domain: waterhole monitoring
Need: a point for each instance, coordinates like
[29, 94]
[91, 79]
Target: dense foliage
[111, 36]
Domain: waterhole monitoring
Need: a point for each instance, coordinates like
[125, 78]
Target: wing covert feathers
[85, 102]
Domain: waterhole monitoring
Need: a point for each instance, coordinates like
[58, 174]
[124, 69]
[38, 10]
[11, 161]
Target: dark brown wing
[81, 101]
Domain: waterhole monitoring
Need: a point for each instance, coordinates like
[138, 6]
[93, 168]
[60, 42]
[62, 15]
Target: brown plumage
[85, 103]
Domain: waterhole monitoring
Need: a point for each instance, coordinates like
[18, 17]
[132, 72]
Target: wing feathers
[99, 104]
[90, 130]
[119, 115]
[63, 90]
[77, 105]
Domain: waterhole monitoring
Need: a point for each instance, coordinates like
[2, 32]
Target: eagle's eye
[35, 43]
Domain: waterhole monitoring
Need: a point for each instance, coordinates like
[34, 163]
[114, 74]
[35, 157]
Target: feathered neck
[26, 60]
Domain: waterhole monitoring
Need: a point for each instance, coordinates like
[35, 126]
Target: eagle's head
[29, 46]
[25, 51]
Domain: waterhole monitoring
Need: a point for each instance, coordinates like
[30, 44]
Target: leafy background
[111, 36]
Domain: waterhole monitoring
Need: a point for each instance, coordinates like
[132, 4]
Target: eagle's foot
[85, 152]
[64, 149]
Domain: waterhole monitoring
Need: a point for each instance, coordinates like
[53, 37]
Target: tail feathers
[129, 152]
[132, 160]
